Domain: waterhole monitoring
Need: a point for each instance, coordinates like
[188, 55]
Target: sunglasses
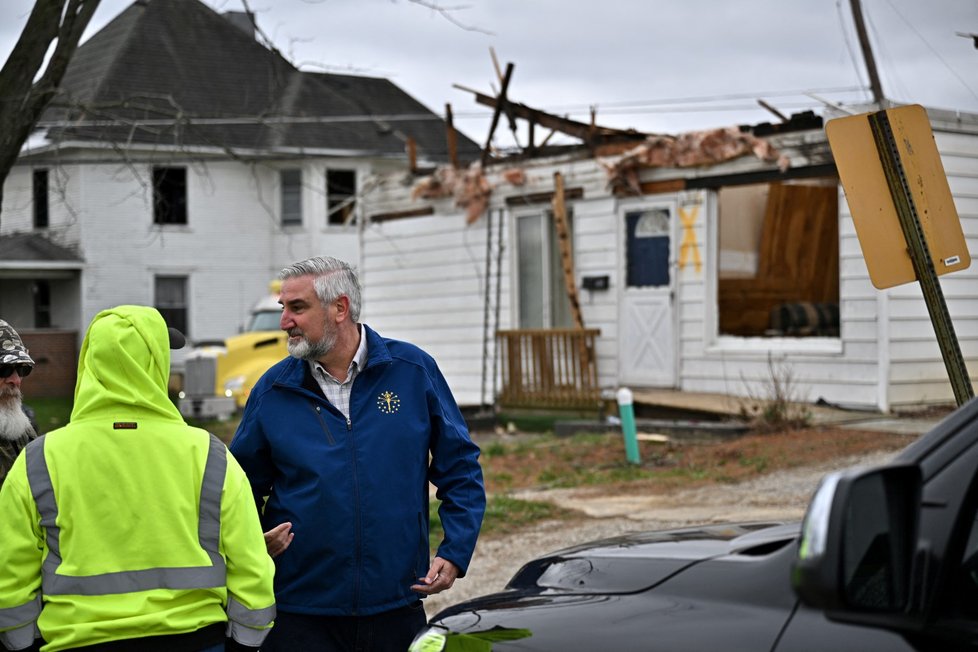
[23, 370]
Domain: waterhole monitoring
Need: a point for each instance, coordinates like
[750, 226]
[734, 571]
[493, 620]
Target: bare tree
[25, 90]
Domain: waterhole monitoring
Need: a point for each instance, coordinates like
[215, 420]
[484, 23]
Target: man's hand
[278, 539]
[440, 577]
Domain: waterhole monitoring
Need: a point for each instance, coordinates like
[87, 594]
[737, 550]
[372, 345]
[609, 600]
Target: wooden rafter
[587, 132]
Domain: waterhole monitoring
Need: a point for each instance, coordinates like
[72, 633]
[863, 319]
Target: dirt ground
[754, 477]
[666, 466]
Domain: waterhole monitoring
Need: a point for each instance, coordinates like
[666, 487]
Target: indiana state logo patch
[388, 402]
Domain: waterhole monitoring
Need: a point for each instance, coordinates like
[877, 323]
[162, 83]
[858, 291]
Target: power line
[706, 98]
[931, 48]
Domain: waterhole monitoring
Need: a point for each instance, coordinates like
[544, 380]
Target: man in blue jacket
[340, 441]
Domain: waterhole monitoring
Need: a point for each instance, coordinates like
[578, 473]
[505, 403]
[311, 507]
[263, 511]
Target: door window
[647, 248]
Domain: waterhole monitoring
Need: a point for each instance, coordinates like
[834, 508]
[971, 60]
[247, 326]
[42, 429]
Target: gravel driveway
[774, 496]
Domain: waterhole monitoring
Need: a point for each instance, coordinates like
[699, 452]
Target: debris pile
[689, 149]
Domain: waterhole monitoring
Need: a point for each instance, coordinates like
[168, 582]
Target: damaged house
[184, 163]
[716, 262]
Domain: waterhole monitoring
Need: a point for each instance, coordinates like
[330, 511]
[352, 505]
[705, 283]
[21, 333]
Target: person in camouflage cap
[16, 429]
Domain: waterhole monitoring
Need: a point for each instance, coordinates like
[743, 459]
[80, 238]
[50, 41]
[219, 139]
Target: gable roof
[176, 73]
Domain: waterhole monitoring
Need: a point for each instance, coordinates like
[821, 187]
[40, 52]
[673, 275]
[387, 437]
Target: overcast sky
[655, 65]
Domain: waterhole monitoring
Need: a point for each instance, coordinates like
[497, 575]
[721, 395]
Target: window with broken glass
[778, 259]
[341, 196]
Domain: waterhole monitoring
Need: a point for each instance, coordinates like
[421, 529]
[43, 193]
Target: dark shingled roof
[163, 58]
[33, 247]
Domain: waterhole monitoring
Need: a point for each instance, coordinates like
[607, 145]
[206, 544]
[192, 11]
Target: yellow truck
[218, 378]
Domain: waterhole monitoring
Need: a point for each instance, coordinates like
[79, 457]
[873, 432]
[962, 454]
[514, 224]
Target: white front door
[647, 340]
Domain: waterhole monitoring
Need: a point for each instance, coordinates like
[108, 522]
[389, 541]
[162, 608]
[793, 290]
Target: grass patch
[223, 430]
[53, 413]
[504, 515]
[50, 413]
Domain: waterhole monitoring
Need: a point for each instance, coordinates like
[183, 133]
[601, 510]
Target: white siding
[885, 355]
[223, 249]
[424, 281]
[596, 253]
[231, 247]
[917, 371]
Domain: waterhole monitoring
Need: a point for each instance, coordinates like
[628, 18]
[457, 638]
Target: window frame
[40, 187]
[336, 214]
[290, 195]
[176, 314]
[551, 285]
[170, 195]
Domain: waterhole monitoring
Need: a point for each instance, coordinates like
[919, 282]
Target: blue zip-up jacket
[356, 491]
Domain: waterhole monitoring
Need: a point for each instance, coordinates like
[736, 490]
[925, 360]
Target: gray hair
[333, 278]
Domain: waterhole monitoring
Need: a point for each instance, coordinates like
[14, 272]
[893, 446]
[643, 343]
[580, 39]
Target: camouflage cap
[12, 349]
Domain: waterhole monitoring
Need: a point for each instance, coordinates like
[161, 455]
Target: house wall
[424, 278]
[316, 237]
[222, 250]
[232, 246]
[424, 281]
[597, 252]
[16, 299]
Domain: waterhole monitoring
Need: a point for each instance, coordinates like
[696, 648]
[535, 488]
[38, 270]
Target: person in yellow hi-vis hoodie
[128, 529]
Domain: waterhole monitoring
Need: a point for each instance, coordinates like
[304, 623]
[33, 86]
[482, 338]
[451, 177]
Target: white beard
[13, 422]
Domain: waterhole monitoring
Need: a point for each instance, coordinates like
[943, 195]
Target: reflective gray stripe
[20, 615]
[208, 534]
[247, 635]
[20, 638]
[250, 617]
[43, 492]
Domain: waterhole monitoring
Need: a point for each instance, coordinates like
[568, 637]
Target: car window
[965, 582]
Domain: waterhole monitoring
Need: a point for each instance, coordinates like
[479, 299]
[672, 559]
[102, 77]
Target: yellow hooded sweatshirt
[128, 523]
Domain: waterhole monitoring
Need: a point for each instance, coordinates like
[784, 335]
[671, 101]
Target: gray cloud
[571, 54]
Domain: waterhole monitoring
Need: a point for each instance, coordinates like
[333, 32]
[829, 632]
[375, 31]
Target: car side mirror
[858, 542]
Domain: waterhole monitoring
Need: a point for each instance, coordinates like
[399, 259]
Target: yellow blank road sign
[871, 204]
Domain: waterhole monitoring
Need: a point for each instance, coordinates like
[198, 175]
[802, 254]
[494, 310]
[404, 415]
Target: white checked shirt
[336, 392]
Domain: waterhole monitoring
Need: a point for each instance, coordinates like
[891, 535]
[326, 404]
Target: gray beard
[14, 424]
[306, 350]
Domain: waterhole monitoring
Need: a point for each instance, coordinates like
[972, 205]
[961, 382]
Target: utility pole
[874, 78]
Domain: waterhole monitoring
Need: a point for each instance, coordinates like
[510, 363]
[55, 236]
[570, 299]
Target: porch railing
[548, 368]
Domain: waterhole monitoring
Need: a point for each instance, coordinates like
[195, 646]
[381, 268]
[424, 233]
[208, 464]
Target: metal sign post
[892, 173]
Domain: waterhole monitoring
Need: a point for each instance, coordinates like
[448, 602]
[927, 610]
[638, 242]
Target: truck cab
[218, 377]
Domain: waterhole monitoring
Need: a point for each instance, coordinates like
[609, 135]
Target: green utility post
[627, 412]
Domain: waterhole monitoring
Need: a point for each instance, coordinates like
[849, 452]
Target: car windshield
[266, 320]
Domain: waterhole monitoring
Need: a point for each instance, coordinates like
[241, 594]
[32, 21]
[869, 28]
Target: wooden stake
[412, 152]
[451, 136]
[566, 255]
